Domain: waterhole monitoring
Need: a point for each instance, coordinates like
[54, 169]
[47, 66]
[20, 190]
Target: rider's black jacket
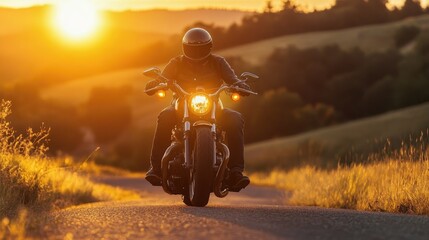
[209, 74]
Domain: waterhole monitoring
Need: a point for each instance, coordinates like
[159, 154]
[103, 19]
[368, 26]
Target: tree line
[304, 89]
[289, 20]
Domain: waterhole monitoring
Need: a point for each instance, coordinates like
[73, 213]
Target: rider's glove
[150, 85]
[243, 85]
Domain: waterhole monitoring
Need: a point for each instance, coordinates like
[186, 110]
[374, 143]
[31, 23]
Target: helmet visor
[197, 52]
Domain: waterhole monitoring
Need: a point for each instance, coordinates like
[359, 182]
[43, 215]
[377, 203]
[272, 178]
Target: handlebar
[176, 86]
[167, 83]
[233, 87]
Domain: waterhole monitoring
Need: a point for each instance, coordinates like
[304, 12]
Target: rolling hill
[350, 140]
[323, 147]
[370, 38]
[29, 41]
[172, 22]
[154, 21]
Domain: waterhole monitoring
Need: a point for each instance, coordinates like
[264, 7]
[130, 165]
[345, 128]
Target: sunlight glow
[76, 19]
[249, 5]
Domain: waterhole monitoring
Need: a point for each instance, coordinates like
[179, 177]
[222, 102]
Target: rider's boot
[237, 181]
[154, 177]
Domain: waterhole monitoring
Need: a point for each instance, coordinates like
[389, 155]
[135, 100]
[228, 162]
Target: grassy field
[396, 183]
[352, 141]
[31, 184]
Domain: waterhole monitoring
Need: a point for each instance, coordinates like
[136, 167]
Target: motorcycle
[195, 164]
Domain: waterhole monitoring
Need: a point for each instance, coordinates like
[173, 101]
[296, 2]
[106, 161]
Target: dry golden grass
[353, 140]
[32, 181]
[397, 183]
[14, 229]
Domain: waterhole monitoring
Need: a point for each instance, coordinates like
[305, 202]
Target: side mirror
[153, 72]
[248, 74]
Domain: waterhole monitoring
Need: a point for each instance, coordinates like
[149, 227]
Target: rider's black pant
[230, 120]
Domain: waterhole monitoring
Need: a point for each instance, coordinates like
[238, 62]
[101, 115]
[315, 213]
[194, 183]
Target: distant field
[322, 147]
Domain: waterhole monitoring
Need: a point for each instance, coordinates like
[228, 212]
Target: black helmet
[197, 44]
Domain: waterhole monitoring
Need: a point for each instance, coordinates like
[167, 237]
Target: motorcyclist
[198, 67]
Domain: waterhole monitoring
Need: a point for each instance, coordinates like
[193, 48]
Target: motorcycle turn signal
[235, 97]
[161, 93]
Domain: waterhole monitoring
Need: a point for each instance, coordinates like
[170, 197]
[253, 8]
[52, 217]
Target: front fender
[202, 123]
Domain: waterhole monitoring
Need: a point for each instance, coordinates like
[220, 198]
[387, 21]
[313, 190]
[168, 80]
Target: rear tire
[201, 181]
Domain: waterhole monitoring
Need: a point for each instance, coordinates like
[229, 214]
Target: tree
[30, 110]
[280, 107]
[377, 11]
[347, 3]
[288, 5]
[378, 98]
[345, 92]
[108, 112]
[405, 35]
[411, 8]
[269, 7]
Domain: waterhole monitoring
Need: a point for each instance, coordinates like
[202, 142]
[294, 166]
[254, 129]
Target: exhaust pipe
[169, 153]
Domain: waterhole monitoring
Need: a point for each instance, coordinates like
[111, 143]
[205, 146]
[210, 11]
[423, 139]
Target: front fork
[187, 136]
[220, 173]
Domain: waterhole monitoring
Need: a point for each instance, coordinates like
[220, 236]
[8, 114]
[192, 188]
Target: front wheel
[186, 200]
[201, 176]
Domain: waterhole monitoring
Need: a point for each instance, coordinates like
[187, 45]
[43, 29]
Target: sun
[76, 19]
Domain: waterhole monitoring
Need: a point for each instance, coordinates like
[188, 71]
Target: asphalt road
[255, 213]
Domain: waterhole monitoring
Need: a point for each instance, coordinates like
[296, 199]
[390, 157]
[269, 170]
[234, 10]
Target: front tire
[186, 200]
[201, 178]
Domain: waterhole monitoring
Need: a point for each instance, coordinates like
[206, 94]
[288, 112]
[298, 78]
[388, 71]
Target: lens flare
[76, 19]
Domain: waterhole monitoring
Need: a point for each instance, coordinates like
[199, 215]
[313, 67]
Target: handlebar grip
[245, 90]
[159, 87]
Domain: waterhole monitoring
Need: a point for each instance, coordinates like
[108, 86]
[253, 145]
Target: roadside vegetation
[32, 183]
[395, 182]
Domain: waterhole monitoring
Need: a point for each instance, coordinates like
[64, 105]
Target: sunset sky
[252, 5]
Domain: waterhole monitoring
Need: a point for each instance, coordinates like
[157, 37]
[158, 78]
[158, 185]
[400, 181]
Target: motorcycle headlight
[200, 104]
